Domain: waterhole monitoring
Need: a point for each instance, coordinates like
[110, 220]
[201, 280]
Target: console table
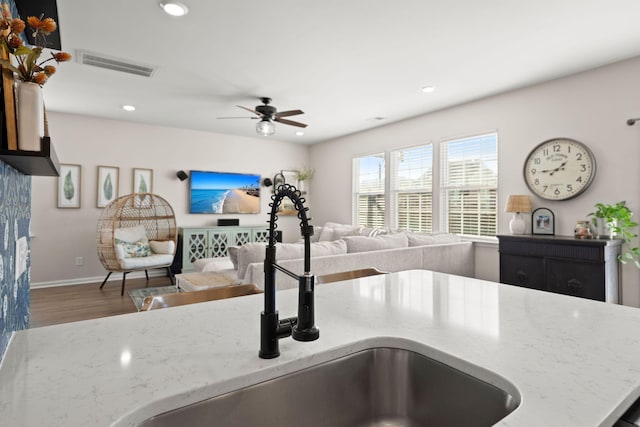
[587, 268]
[212, 242]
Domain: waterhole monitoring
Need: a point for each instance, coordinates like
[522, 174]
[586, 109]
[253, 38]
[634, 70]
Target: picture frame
[290, 177]
[287, 208]
[142, 180]
[108, 185]
[69, 192]
[543, 222]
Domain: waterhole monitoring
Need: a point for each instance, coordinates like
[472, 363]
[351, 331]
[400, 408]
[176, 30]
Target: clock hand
[559, 168]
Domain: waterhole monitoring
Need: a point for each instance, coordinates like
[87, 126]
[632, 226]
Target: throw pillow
[416, 239]
[334, 231]
[137, 249]
[365, 244]
[327, 248]
[162, 246]
[248, 254]
[233, 255]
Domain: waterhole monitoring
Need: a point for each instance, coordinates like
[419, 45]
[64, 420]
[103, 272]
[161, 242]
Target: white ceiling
[343, 62]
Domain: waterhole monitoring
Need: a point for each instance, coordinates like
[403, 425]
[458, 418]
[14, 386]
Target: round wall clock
[559, 169]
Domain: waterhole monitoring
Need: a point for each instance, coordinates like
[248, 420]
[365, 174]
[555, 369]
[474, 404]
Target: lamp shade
[518, 203]
[265, 127]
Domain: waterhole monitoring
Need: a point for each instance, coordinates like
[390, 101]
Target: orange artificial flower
[25, 59]
[17, 26]
[34, 22]
[62, 56]
[48, 26]
[40, 78]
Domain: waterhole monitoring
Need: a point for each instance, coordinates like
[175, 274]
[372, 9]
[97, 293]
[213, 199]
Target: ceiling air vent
[122, 65]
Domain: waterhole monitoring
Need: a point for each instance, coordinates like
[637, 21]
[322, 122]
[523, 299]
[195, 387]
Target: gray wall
[591, 107]
[61, 235]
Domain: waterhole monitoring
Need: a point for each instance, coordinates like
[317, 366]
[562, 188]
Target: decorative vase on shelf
[302, 186]
[30, 116]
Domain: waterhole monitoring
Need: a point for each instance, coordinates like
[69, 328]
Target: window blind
[469, 181]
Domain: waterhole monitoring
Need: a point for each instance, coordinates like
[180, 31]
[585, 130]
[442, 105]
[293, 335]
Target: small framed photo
[543, 222]
[108, 180]
[290, 177]
[142, 180]
[70, 186]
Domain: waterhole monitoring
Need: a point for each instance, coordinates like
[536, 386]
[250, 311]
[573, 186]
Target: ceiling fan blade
[254, 118]
[289, 122]
[289, 113]
[250, 110]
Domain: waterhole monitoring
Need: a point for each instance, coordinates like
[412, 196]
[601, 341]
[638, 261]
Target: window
[412, 188]
[469, 184]
[457, 179]
[369, 194]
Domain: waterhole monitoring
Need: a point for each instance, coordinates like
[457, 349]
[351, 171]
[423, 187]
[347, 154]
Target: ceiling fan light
[265, 127]
[174, 8]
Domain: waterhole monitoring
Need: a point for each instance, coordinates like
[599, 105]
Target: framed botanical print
[142, 180]
[108, 179]
[70, 186]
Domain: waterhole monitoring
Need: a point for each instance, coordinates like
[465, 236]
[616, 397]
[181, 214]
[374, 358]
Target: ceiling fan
[268, 114]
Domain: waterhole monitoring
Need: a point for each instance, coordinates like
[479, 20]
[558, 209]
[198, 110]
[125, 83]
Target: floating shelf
[40, 163]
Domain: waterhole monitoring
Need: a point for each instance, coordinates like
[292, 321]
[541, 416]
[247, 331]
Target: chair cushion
[151, 261]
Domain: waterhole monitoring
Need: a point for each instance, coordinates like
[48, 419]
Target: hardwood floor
[62, 304]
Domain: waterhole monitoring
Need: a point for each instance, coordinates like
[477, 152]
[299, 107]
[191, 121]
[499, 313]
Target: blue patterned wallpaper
[15, 215]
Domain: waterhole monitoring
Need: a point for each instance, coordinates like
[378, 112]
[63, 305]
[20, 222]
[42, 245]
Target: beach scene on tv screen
[224, 193]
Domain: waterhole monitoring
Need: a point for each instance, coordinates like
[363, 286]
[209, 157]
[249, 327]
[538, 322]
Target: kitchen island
[571, 361]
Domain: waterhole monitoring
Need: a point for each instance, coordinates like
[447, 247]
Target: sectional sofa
[339, 247]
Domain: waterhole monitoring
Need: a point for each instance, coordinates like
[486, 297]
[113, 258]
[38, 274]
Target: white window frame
[445, 187]
[394, 184]
[439, 191]
[355, 185]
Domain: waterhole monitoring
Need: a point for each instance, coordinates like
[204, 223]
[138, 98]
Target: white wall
[591, 107]
[63, 234]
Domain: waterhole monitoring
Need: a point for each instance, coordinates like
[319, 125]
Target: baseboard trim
[115, 277]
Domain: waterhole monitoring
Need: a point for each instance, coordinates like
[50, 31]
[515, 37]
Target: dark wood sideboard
[587, 268]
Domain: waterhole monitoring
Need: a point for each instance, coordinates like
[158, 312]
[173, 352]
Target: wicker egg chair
[153, 219]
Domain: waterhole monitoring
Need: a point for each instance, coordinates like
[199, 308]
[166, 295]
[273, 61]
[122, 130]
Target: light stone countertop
[574, 362]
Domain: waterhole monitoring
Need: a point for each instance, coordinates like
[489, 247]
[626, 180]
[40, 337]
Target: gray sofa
[337, 248]
[454, 258]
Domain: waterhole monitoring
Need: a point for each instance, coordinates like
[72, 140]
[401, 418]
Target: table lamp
[517, 204]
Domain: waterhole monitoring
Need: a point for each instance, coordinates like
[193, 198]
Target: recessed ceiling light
[299, 133]
[428, 89]
[174, 8]
[128, 108]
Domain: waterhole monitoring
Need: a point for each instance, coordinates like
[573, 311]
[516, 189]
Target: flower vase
[30, 116]
[302, 186]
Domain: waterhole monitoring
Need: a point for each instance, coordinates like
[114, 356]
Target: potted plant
[616, 219]
[303, 175]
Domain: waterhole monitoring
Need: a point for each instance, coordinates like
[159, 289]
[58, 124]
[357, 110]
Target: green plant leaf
[69, 189]
[107, 187]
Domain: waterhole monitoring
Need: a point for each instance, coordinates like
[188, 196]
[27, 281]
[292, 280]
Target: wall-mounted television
[224, 193]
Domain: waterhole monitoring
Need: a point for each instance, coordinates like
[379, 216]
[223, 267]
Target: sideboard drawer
[522, 271]
[579, 279]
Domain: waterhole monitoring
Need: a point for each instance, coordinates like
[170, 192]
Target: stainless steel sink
[376, 387]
